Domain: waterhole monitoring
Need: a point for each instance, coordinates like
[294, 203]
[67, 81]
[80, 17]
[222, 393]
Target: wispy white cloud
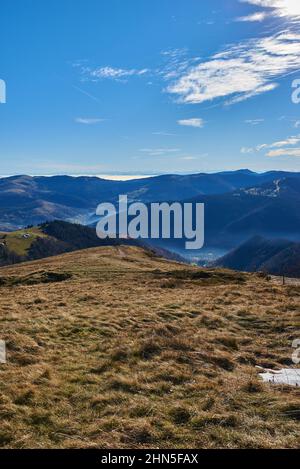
[284, 152]
[288, 8]
[277, 148]
[254, 121]
[109, 72]
[246, 150]
[207, 22]
[177, 62]
[255, 17]
[159, 151]
[112, 73]
[288, 141]
[193, 122]
[260, 147]
[193, 158]
[164, 134]
[88, 120]
[240, 72]
[189, 158]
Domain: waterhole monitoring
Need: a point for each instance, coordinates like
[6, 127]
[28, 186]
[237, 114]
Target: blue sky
[140, 87]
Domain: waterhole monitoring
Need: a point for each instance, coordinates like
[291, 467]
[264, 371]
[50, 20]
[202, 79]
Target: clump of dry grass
[131, 351]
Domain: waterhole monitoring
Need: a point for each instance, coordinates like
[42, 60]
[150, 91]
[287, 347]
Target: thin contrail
[86, 93]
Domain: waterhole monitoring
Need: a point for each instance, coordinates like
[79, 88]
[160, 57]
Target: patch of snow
[272, 191]
[289, 376]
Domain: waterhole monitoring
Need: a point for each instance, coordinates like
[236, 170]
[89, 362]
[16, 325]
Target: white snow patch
[289, 376]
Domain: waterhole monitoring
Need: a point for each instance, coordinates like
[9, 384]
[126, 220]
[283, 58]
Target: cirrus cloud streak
[281, 8]
[241, 71]
[193, 122]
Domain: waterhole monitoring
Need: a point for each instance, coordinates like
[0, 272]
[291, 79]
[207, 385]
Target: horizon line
[122, 176]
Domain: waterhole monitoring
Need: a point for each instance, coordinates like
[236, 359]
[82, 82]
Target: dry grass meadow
[115, 348]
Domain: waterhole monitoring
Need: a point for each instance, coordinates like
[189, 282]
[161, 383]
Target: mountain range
[32, 200]
[239, 205]
[270, 210]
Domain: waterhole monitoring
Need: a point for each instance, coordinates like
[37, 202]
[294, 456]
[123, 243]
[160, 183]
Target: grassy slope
[135, 351]
[19, 245]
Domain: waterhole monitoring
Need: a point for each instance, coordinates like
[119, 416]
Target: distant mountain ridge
[32, 200]
[270, 210]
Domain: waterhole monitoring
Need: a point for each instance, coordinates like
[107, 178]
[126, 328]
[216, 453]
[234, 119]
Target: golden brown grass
[126, 350]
